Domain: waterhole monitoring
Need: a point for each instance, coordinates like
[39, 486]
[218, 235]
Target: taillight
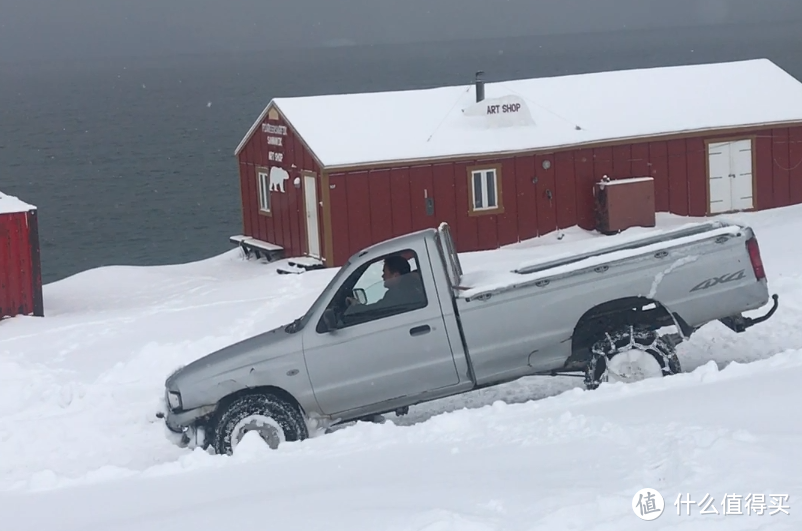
[754, 256]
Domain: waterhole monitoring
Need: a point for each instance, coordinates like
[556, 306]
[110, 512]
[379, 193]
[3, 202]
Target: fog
[48, 30]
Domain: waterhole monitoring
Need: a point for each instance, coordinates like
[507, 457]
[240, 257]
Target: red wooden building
[20, 271]
[325, 176]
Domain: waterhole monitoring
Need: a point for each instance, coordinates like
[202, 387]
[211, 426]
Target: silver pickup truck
[401, 323]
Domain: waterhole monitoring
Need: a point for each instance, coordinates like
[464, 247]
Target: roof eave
[255, 127]
[553, 148]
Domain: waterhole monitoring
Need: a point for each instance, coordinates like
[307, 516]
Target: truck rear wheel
[630, 355]
[275, 419]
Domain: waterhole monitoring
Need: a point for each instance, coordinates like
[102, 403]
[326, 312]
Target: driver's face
[388, 276]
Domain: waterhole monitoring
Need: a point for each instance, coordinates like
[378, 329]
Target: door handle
[420, 330]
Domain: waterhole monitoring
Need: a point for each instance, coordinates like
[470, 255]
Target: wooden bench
[259, 248]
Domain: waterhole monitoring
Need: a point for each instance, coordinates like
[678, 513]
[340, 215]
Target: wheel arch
[294, 423]
[279, 392]
[641, 312]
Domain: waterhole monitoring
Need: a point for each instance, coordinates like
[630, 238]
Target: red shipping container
[20, 266]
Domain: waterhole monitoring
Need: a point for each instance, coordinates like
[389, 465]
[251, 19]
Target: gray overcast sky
[36, 30]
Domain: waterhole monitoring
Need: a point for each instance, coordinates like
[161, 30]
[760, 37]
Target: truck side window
[389, 285]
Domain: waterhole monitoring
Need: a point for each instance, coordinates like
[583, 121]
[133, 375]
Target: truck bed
[516, 267]
[523, 315]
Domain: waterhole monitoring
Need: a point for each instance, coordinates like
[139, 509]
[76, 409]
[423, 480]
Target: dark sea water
[131, 161]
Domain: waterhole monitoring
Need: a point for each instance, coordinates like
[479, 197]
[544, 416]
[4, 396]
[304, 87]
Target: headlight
[174, 399]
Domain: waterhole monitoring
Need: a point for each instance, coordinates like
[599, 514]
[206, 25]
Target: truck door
[391, 344]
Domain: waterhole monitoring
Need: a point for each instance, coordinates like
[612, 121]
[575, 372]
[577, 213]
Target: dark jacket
[405, 294]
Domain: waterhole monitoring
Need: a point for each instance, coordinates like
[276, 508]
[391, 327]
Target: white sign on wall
[274, 129]
[277, 178]
[275, 139]
[505, 111]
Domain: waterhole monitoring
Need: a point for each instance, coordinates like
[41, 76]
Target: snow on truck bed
[542, 257]
[78, 436]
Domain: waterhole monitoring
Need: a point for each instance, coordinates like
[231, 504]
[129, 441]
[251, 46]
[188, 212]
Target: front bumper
[183, 428]
[180, 421]
[739, 323]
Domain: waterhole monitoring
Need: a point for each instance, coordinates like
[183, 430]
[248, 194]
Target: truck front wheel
[630, 355]
[275, 419]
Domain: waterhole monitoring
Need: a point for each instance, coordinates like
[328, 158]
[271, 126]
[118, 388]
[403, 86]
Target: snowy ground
[80, 447]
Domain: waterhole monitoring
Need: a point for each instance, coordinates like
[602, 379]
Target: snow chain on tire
[286, 414]
[628, 338]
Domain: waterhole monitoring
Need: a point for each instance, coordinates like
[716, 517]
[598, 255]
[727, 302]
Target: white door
[742, 182]
[310, 203]
[730, 173]
[718, 156]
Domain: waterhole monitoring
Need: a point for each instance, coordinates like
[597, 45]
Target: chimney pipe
[480, 87]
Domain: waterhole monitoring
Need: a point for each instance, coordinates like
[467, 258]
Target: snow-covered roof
[11, 205]
[549, 113]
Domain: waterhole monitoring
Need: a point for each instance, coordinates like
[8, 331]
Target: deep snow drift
[80, 447]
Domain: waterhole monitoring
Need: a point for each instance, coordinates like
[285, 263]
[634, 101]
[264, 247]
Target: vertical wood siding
[781, 155]
[678, 177]
[795, 164]
[764, 170]
[20, 273]
[286, 226]
[368, 206]
[372, 205]
[696, 176]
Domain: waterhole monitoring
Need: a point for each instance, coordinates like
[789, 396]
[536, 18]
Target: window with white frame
[484, 189]
[264, 191]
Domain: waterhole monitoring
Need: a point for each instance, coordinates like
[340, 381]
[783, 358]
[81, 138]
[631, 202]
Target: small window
[264, 190]
[484, 186]
[388, 286]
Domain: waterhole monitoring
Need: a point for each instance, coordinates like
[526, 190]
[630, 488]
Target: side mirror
[330, 318]
[359, 294]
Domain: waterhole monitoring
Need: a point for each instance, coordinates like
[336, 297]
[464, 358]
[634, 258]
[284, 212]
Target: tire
[628, 339]
[276, 419]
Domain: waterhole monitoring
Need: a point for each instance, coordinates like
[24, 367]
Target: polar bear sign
[277, 178]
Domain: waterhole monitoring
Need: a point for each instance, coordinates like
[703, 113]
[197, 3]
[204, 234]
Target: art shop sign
[275, 139]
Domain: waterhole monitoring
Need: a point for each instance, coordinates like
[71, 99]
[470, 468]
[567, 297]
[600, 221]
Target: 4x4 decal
[723, 279]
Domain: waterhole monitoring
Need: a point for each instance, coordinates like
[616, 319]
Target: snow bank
[79, 389]
[567, 462]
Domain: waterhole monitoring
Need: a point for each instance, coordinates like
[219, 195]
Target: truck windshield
[302, 321]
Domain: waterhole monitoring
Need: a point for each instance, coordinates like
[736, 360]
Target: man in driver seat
[403, 288]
